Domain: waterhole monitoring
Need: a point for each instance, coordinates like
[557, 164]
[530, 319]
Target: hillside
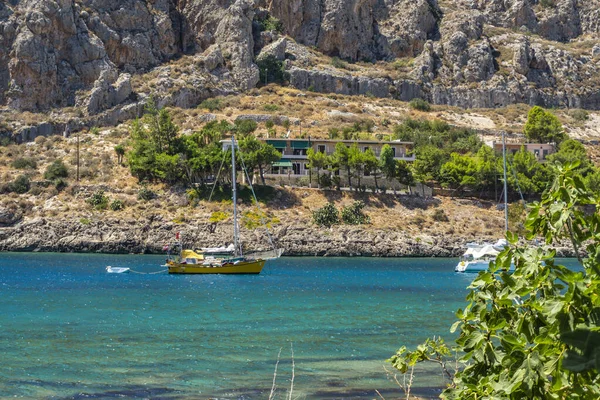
[87, 68]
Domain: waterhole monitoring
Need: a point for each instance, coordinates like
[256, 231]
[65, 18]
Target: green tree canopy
[387, 163]
[318, 161]
[543, 126]
[428, 163]
[372, 165]
[341, 158]
[257, 154]
[459, 172]
[356, 162]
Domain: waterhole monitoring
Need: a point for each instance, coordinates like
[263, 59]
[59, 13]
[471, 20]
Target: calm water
[70, 330]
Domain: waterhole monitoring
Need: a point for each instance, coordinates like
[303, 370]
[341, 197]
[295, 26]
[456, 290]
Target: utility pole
[77, 155]
[505, 183]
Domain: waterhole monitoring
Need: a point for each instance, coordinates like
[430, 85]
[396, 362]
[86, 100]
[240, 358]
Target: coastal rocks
[9, 217]
[150, 234]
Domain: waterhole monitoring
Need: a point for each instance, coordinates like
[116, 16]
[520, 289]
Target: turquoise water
[70, 330]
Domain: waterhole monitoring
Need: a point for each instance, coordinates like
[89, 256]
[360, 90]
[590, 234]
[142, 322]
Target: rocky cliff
[468, 53]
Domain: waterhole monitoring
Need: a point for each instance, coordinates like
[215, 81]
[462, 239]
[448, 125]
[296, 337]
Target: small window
[365, 149]
[321, 148]
[394, 151]
[306, 167]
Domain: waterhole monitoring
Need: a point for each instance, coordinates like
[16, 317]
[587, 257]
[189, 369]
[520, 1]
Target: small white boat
[478, 257]
[116, 270]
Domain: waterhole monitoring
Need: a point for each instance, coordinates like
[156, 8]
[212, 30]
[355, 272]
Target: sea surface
[69, 330]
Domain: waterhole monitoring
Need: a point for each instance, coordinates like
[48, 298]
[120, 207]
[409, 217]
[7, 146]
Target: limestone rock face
[136, 34]
[53, 54]
[359, 29]
[472, 53]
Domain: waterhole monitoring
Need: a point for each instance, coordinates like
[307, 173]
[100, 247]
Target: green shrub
[117, 205]
[94, 130]
[440, 215]
[271, 107]
[60, 184]
[271, 70]
[420, 104]
[20, 185]
[269, 124]
[146, 194]
[5, 141]
[580, 115]
[270, 23]
[85, 221]
[325, 181]
[245, 126]
[214, 104]
[120, 150]
[24, 163]
[337, 63]
[98, 200]
[326, 216]
[56, 170]
[353, 214]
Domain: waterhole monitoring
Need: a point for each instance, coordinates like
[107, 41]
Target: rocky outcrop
[136, 34]
[149, 235]
[359, 29]
[334, 82]
[9, 217]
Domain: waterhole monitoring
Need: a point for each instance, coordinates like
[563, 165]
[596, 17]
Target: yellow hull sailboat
[229, 261]
[191, 262]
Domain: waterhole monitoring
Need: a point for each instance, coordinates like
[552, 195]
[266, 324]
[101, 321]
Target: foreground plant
[534, 333]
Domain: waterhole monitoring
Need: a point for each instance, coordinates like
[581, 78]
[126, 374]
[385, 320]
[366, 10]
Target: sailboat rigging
[478, 257]
[224, 260]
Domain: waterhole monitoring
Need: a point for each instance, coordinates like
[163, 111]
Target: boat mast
[233, 182]
[505, 184]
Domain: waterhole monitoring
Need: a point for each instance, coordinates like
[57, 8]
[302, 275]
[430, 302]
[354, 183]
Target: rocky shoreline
[149, 235]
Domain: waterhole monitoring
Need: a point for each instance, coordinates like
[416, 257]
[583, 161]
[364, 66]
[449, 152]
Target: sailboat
[222, 260]
[478, 256]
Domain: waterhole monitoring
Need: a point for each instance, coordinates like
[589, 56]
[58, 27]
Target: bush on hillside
[56, 170]
[98, 200]
[20, 185]
[354, 215]
[326, 216]
[24, 163]
[420, 104]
